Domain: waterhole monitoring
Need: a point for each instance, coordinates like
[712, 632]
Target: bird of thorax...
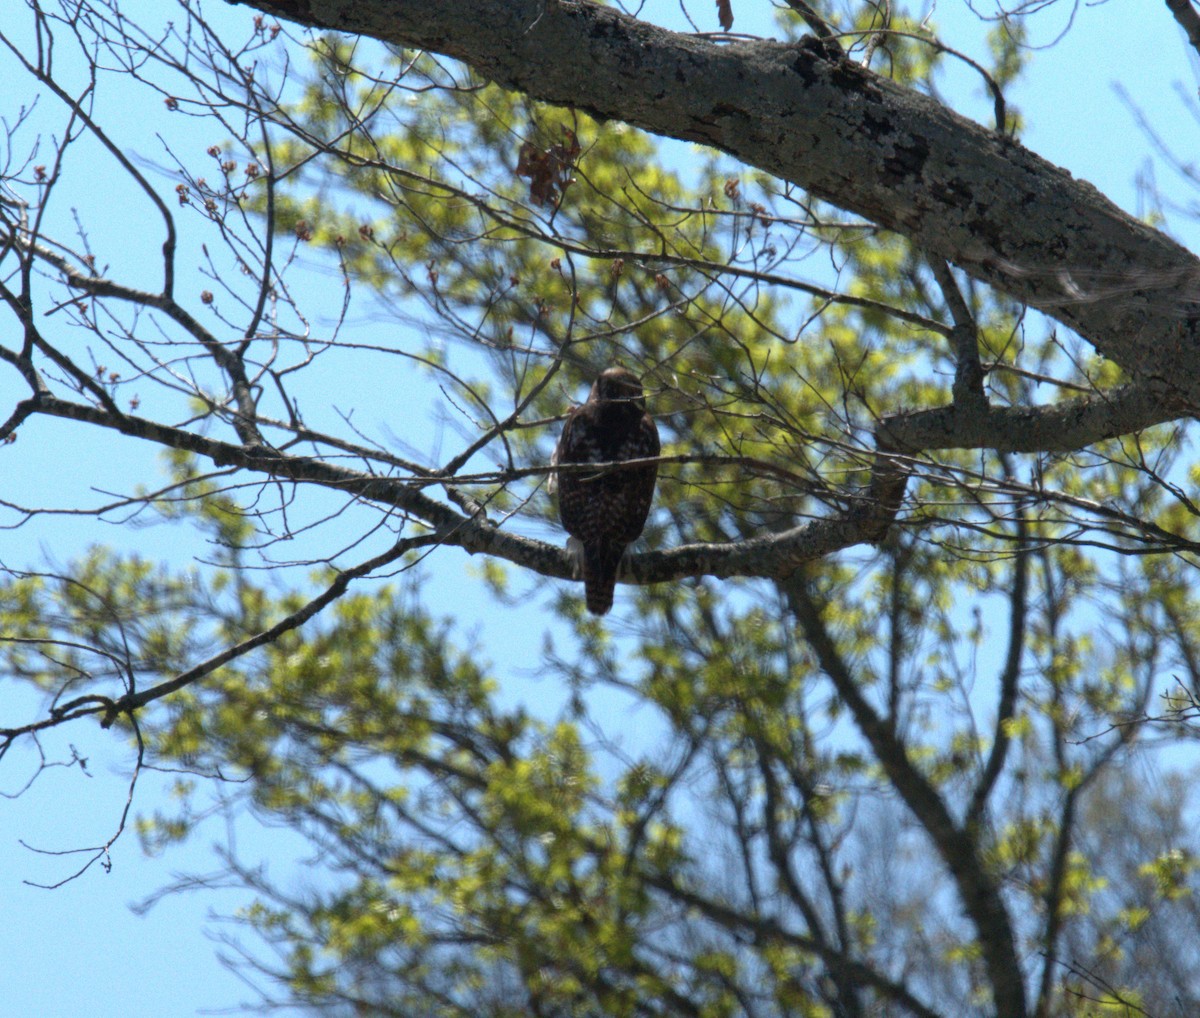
[603, 511]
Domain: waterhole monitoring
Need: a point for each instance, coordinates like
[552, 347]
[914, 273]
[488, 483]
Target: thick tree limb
[1188, 19]
[1060, 427]
[771, 555]
[898, 157]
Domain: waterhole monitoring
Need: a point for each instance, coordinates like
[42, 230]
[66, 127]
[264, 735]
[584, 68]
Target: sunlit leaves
[742, 837]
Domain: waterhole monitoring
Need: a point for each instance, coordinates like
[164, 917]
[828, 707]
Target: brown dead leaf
[549, 170]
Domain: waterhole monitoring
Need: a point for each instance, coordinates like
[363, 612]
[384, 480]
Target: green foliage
[756, 849]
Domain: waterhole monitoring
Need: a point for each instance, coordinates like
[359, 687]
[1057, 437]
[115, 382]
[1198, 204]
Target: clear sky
[80, 950]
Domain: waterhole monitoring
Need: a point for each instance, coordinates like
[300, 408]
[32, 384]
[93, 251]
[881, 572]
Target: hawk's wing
[639, 481]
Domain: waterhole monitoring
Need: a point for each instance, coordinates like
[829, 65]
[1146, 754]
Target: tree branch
[765, 930]
[1188, 20]
[977, 891]
[1010, 678]
[1059, 427]
[892, 154]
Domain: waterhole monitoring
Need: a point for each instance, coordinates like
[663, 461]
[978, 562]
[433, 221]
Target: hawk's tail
[600, 562]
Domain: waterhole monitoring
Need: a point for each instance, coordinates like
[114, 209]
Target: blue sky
[80, 950]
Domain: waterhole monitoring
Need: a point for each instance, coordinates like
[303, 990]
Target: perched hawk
[605, 510]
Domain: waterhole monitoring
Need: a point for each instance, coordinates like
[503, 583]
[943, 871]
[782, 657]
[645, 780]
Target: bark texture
[968, 194]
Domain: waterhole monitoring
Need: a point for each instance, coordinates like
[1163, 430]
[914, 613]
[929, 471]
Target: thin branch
[100, 854]
[133, 701]
[1009, 681]
[978, 892]
[819, 25]
[766, 930]
[114, 150]
[112, 710]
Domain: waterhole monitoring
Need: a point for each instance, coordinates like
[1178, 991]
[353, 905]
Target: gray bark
[968, 194]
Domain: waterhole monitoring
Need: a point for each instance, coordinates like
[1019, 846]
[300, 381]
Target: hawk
[606, 510]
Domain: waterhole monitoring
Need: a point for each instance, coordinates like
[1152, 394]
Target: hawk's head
[618, 385]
